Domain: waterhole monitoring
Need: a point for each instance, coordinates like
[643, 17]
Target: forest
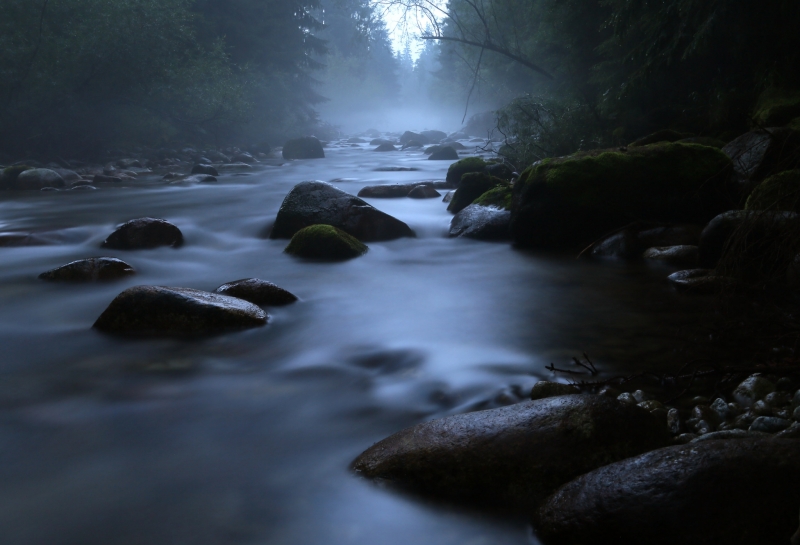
[441, 272]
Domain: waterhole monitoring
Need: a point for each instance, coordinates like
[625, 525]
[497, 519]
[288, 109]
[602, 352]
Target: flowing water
[246, 438]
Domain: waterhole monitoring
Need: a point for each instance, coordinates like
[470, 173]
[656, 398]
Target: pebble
[627, 398]
[778, 399]
[674, 421]
[640, 396]
[720, 408]
[769, 424]
[761, 408]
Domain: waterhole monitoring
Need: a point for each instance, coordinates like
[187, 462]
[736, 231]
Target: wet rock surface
[423, 192]
[257, 291]
[388, 191]
[681, 256]
[167, 311]
[144, 233]
[707, 493]
[482, 223]
[515, 456]
[700, 281]
[93, 269]
[38, 178]
[312, 203]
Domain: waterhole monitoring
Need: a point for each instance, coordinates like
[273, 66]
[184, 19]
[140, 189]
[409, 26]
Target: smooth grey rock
[313, 203]
[769, 424]
[166, 311]
[681, 256]
[708, 492]
[144, 233]
[752, 389]
[38, 178]
[385, 147]
[423, 192]
[622, 245]
[444, 154]
[514, 456]
[93, 269]
[700, 281]
[205, 169]
[544, 389]
[257, 291]
[387, 191]
[482, 223]
[674, 421]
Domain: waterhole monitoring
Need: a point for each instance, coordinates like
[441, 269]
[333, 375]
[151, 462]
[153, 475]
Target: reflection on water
[245, 438]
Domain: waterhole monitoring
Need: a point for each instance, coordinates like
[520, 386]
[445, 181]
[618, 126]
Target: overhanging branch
[497, 49]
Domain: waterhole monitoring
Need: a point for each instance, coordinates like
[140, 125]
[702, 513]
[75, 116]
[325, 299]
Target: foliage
[780, 192]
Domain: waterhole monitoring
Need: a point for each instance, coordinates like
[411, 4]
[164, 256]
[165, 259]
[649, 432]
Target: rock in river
[307, 147]
[93, 269]
[163, 311]
[741, 492]
[38, 178]
[482, 223]
[257, 291]
[325, 242]
[515, 456]
[144, 233]
[313, 203]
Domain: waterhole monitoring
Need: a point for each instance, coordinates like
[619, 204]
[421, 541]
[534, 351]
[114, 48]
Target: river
[246, 438]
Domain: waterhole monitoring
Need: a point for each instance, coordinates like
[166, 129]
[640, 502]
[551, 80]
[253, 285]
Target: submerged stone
[144, 233]
[257, 291]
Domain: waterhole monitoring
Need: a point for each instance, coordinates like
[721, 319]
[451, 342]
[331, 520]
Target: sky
[406, 25]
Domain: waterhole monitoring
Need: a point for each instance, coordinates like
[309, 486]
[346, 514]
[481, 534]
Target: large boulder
[473, 185]
[747, 238]
[306, 147]
[144, 233]
[93, 269]
[164, 311]
[312, 203]
[499, 197]
[739, 492]
[8, 178]
[437, 136]
[325, 242]
[759, 154]
[385, 147]
[481, 223]
[204, 169]
[459, 168]
[777, 107]
[38, 178]
[666, 135]
[409, 136]
[512, 457]
[569, 202]
[445, 153]
[423, 191]
[779, 192]
[257, 291]
[387, 191]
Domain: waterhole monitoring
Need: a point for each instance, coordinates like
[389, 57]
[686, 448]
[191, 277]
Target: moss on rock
[570, 201]
[459, 168]
[325, 242]
[777, 107]
[780, 192]
[666, 135]
[499, 196]
[473, 185]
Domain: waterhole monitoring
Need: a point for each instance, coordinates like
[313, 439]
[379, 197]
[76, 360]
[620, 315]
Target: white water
[248, 439]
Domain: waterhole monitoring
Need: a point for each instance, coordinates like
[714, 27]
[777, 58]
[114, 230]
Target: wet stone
[777, 399]
[257, 291]
[511, 457]
[769, 424]
[544, 389]
[93, 269]
[168, 311]
[627, 398]
[752, 389]
[674, 421]
[424, 192]
[144, 233]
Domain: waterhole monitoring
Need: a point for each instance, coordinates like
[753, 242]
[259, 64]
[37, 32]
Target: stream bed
[246, 438]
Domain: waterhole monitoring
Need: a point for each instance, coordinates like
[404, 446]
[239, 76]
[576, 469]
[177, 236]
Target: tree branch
[497, 49]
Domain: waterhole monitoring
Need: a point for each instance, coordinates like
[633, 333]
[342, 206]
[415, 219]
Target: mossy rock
[704, 141]
[571, 201]
[459, 168]
[499, 197]
[10, 175]
[667, 135]
[780, 192]
[473, 185]
[777, 107]
[325, 242]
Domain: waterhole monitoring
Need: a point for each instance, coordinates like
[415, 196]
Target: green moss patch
[459, 168]
[570, 201]
[780, 192]
[499, 197]
[777, 107]
[325, 242]
[472, 186]
[667, 135]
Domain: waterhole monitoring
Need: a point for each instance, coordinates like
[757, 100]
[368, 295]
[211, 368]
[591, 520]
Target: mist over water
[246, 438]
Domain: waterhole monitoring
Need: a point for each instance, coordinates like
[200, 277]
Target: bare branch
[497, 49]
